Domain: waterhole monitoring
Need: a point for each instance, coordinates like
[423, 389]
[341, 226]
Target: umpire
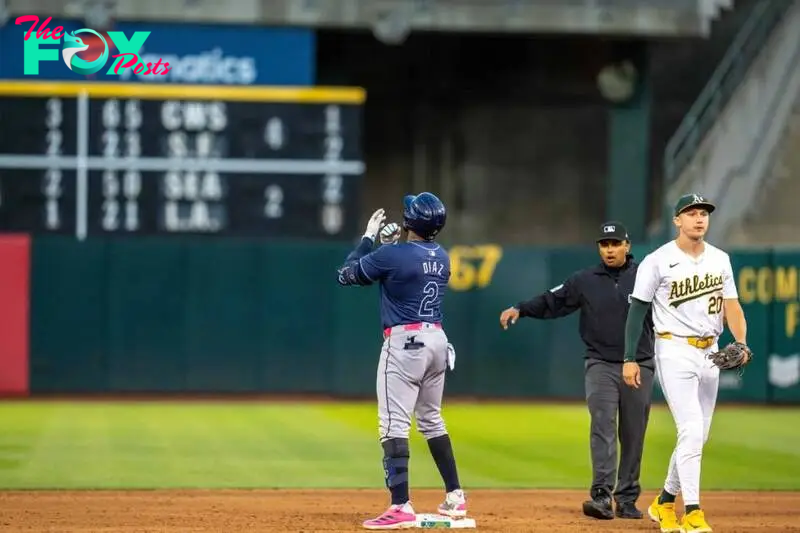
[602, 294]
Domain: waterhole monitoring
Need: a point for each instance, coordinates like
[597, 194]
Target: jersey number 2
[715, 305]
[431, 292]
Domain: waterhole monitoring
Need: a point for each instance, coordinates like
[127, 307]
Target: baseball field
[270, 466]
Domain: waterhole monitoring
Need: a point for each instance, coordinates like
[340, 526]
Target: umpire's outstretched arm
[557, 302]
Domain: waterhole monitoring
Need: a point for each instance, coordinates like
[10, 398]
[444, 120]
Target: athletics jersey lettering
[694, 287]
[686, 292]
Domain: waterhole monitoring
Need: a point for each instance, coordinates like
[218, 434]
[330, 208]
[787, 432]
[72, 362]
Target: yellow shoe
[664, 515]
[695, 522]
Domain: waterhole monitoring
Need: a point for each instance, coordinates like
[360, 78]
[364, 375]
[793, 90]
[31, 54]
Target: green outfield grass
[216, 445]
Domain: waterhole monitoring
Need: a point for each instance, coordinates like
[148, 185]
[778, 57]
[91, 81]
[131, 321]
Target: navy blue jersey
[412, 275]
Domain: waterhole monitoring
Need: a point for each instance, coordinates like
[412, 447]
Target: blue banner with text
[38, 48]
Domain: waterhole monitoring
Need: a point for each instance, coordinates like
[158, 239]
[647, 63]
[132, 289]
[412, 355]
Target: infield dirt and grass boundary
[212, 465]
[280, 511]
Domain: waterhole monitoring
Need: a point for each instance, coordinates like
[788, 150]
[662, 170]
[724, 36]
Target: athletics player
[413, 278]
[691, 286]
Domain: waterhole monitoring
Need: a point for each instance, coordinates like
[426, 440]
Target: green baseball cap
[692, 200]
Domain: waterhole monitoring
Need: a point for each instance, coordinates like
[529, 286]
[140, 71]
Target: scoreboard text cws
[132, 159]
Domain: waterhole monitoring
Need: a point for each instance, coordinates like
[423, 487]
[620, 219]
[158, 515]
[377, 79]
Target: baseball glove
[735, 355]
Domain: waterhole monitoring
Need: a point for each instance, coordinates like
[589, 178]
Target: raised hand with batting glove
[390, 233]
[374, 224]
[347, 273]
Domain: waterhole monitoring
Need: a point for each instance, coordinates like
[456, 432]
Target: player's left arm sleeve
[368, 269]
[351, 273]
[732, 308]
[364, 247]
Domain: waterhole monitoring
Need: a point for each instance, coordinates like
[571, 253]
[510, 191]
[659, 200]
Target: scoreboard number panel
[288, 193]
[132, 159]
[38, 126]
[34, 198]
[197, 202]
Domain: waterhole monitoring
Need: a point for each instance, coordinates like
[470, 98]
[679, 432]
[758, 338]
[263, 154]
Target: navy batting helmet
[424, 214]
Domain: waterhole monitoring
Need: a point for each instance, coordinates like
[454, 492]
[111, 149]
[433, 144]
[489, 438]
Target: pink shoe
[455, 504]
[395, 517]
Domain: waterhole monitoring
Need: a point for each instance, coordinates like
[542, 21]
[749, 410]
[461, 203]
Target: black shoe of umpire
[599, 506]
[628, 510]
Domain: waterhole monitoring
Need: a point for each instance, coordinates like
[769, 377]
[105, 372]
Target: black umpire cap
[613, 231]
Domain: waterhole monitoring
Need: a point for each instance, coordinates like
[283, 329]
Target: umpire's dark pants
[606, 394]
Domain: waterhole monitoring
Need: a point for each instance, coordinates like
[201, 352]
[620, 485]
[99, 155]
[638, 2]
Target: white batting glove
[451, 356]
[374, 224]
[390, 233]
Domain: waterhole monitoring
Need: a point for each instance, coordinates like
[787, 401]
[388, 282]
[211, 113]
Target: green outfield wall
[204, 315]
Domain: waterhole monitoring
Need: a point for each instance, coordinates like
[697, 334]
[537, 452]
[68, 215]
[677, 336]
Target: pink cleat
[454, 505]
[395, 517]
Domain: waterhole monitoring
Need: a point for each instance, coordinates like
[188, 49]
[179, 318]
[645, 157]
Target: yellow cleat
[664, 515]
[695, 522]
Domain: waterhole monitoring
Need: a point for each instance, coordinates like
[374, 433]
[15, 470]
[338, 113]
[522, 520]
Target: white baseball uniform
[687, 295]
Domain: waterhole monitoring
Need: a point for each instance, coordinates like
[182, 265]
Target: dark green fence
[159, 315]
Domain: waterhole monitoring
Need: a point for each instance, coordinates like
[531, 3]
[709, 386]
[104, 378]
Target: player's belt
[411, 327]
[698, 342]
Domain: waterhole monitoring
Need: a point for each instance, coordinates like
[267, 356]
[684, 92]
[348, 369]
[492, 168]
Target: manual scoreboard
[129, 159]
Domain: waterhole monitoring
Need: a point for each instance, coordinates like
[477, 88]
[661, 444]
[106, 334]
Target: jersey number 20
[431, 292]
[715, 305]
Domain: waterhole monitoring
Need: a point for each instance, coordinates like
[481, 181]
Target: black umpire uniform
[602, 294]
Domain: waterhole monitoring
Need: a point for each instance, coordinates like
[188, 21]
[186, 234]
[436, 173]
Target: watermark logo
[85, 40]
[73, 44]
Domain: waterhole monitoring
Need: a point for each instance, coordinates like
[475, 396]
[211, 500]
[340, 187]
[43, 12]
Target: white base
[431, 521]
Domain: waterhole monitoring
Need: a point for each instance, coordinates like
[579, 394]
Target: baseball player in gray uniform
[413, 277]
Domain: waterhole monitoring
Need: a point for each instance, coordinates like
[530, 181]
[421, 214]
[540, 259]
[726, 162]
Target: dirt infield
[311, 511]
